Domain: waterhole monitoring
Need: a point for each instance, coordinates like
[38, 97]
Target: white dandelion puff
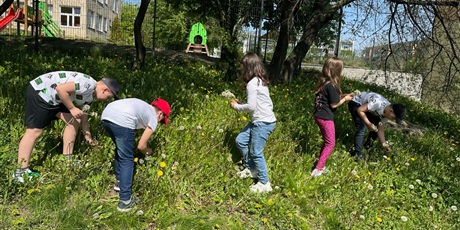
[403, 218]
[434, 195]
[207, 96]
[418, 181]
[354, 172]
[411, 187]
[458, 159]
[227, 94]
[163, 155]
[85, 108]
[431, 208]
[453, 207]
[199, 127]
[221, 130]
[407, 164]
[181, 127]
[362, 217]
[370, 187]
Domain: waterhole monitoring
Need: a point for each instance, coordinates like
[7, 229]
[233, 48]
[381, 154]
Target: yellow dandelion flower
[357, 176]
[162, 164]
[136, 159]
[370, 174]
[388, 158]
[202, 134]
[160, 173]
[397, 169]
[245, 118]
[265, 220]
[379, 219]
[413, 159]
[226, 102]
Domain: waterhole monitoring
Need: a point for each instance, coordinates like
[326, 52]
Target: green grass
[199, 188]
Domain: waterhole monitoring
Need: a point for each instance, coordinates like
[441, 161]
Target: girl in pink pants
[328, 97]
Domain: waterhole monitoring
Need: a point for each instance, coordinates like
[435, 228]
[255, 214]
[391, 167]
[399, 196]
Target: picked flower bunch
[227, 94]
[86, 108]
[356, 92]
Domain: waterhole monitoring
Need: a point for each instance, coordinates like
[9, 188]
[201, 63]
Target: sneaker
[26, 174]
[125, 206]
[318, 172]
[359, 158]
[261, 188]
[246, 173]
[116, 187]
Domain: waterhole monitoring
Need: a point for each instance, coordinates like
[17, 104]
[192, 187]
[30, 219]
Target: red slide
[10, 17]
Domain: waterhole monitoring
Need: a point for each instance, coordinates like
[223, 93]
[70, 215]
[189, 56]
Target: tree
[139, 61]
[116, 33]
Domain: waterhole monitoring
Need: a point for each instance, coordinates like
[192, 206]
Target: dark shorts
[40, 114]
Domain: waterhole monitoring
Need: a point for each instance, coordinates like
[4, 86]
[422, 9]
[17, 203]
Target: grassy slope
[199, 188]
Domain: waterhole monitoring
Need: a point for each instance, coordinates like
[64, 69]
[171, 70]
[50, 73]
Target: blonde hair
[332, 69]
[253, 67]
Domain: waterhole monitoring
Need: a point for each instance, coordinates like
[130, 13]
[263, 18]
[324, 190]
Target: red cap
[164, 107]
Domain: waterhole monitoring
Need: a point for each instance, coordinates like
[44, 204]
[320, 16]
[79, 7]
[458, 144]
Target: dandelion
[354, 172]
[384, 157]
[388, 158]
[277, 187]
[431, 208]
[227, 94]
[379, 219]
[362, 217]
[370, 187]
[199, 127]
[176, 164]
[397, 169]
[181, 127]
[369, 173]
[163, 155]
[192, 84]
[245, 118]
[160, 173]
[418, 181]
[453, 207]
[162, 164]
[411, 187]
[202, 134]
[207, 96]
[141, 161]
[221, 130]
[140, 213]
[403, 218]
[136, 159]
[413, 159]
[406, 164]
[458, 159]
[434, 195]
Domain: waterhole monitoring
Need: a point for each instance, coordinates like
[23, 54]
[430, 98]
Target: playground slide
[9, 18]
[50, 28]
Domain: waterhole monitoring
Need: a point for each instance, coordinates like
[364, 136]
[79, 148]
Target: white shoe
[260, 188]
[318, 172]
[116, 187]
[246, 173]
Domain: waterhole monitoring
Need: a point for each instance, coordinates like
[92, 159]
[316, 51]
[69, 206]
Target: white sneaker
[20, 177]
[246, 173]
[116, 187]
[319, 172]
[260, 188]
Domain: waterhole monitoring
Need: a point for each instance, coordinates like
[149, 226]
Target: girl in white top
[252, 139]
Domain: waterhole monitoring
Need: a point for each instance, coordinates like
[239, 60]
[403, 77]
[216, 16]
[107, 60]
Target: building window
[99, 22]
[105, 25]
[90, 19]
[115, 6]
[70, 16]
[50, 10]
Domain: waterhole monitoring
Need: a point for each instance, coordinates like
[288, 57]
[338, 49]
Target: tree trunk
[279, 55]
[5, 6]
[138, 40]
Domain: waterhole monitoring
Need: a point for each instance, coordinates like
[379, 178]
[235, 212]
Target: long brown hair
[253, 67]
[332, 69]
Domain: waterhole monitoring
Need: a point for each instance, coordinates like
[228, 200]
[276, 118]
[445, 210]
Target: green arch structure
[197, 30]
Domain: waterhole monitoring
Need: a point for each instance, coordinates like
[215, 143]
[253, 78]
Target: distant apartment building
[79, 19]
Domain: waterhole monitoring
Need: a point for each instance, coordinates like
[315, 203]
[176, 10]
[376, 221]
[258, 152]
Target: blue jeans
[361, 127]
[251, 142]
[124, 156]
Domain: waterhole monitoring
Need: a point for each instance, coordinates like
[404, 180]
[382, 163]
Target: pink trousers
[327, 129]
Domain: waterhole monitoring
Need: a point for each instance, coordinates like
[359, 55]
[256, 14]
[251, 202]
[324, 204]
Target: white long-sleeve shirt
[259, 103]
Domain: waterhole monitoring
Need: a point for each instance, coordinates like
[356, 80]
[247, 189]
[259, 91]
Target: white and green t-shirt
[46, 85]
[376, 103]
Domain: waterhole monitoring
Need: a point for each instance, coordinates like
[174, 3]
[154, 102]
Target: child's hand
[234, 102]
[348, 97]
[373, 128]
[76, 112]
[386, 146]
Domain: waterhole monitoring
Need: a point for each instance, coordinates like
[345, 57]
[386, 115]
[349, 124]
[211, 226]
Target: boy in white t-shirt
[367, 109]
[120, 120]
[59, 95]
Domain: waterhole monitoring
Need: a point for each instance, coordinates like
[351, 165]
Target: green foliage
[190, 181]
[116, 32]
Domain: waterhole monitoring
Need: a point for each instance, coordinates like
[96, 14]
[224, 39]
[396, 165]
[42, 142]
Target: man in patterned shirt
[367, 109]
[59, 95]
